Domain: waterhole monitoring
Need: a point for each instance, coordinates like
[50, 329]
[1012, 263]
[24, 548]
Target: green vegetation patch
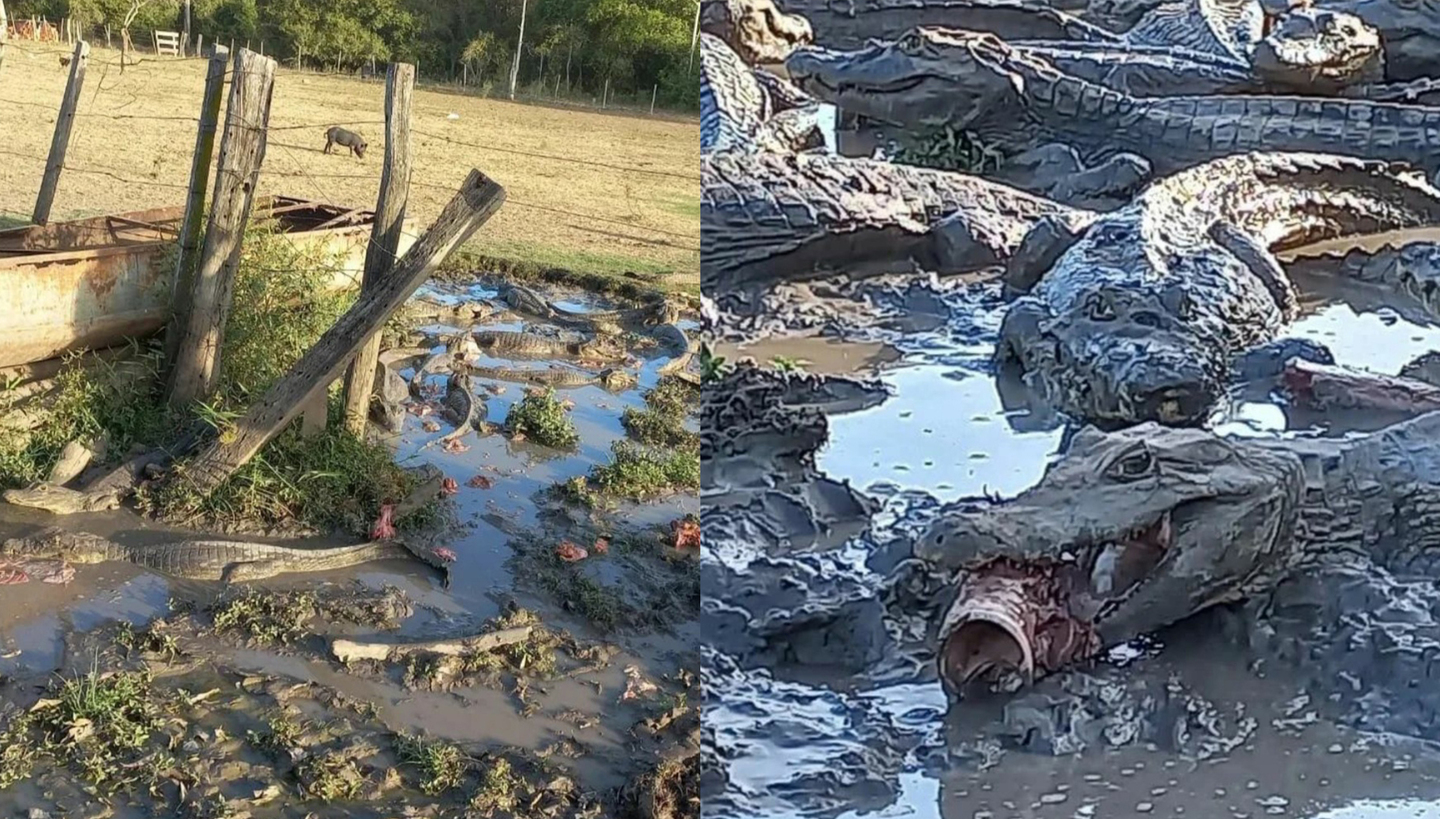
[99, 725]
[441, 765]
[541, 418]
[662, 422]
[635, 473]
[273, 618]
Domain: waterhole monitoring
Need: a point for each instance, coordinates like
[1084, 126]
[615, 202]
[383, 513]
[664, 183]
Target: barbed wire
[538, 155]
[97, 171]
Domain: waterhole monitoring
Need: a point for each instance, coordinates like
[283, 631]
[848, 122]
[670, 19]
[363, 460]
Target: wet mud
[594, 713]
[821, 696]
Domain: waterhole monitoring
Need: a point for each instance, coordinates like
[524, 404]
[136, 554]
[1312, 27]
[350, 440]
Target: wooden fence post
[605, 95]
[61, 140]
[195, 202]
[200, 45]
[384, 244]
[107, 36]
[4, 32]
[242, 149]
[476, 201]
[653, 92]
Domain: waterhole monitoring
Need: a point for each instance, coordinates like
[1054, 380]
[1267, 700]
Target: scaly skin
[852, 23]
[506, 344]
[756, 30]
[229, 561]
[1136, 530]
[1309, 52]
[737, 112]
[768, 218]
[938, 77]
[615, 380]
[1139, 318]
[1226, 27]
[59, 500]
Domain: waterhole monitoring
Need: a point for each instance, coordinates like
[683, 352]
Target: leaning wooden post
[653, 92]
[384, 244]
[61, 140]
[477, 200]
[195, 201]
[242, 149]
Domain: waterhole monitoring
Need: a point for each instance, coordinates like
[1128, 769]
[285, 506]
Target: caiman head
[757, 30]
[56, 543]
[61, 500]
[1127, 533]
[1310, 49]
[616, 379]
[930, 77]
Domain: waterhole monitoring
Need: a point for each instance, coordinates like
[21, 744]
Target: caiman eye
[1100, 310]
[912, 43]
[1133, 466]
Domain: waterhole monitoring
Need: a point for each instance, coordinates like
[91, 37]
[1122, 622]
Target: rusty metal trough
[94, 283]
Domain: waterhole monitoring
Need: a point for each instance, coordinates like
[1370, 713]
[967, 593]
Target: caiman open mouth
[1025, 618]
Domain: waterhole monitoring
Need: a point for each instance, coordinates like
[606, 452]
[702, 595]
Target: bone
[973, 641]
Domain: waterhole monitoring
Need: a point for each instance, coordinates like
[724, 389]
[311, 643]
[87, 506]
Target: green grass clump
[499, 788]
[99, 724]
[442, 765]
[118, 400]
[541, 418]
[329, 481]
[662, 422]
[641, 473]
[268, 619]
[284, 301]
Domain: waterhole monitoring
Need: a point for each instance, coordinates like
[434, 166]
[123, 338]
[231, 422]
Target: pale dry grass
[658, 216]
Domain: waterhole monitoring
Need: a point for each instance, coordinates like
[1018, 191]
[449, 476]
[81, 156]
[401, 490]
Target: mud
[590, 718]
[821, 695]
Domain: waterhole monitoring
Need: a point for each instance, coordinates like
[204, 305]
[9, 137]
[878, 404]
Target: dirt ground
[132, 139]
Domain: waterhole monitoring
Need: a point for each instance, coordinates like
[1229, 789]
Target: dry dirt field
[132, 142]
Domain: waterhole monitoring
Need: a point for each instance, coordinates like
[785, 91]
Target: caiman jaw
[1030, 617]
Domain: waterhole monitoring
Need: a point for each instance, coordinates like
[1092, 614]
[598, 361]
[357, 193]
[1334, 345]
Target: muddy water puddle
[792, 744]
[41, 626]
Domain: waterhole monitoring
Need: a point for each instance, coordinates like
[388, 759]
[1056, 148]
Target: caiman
[1310, 52]
[60, 500]
[1138, 317]
[1136, 530]
[1410, 30]
[853, 23]
[766, 218]
[224, 560]
[613, 379]
[737, 112]
[756, 30]
[463, 408]
[959, 79]
[524, 300]
[507, 344]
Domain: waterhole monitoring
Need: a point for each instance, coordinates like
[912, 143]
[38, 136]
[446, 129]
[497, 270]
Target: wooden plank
[477, 200]
[345, 219]
[384, 234]
[195, 201]
[242, 150]
[60, 142]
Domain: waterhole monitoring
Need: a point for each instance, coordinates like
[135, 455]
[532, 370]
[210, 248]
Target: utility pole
[694, 36]
[519, 46]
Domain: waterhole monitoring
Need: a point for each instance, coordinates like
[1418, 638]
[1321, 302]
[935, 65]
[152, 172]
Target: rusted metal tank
[93, 283]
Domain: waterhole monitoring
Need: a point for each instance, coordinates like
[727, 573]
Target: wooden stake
[195, 201]
[384, 244]
[605, 95]
[4, 32]
[242, 149]
[653, 92]
[476, 201]
[60, 142]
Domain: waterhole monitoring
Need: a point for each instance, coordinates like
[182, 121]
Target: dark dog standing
[345, 139]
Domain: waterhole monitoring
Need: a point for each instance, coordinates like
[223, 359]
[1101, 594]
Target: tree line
[577, 46]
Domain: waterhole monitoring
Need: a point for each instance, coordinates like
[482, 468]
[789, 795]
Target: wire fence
[291, 165]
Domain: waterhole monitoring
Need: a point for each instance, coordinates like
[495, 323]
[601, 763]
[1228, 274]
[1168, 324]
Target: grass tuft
[541, 418]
